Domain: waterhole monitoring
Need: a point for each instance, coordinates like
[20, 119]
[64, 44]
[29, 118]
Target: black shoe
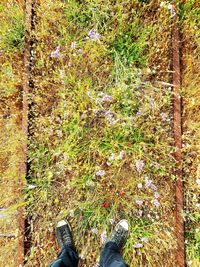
[63, 234]
[120, 234]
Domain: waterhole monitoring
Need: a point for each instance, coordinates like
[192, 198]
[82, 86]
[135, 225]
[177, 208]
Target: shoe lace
[66, 236]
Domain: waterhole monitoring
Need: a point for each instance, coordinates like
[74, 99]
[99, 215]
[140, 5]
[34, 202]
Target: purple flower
[94, 35]
[100, 173]
[80, 51]
[73, 45]
[103, 237]
[66, 157]
[71, 213]
[62, 74]
[121, 155]
[164, 116]
[139, 165]
[148, 183]
[144, 239]
[107, 98]
[156, 195]
[153, 186]
[138, 245]
[112, 221]
[70, 64]
[156, 165]
[139, 113]
[94, 231]
[56, 53]
[151, 103]
[110, 117]
[112, 157]
[139, 202]
[156, 203]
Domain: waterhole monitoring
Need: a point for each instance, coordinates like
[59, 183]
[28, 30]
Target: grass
[101, 145]
[12, 33]
[100, 115]
[189, 17]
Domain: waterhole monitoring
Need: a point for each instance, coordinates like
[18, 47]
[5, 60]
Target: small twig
[9, 235]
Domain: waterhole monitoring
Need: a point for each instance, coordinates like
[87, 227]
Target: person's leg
[110, 256]
[68, 256]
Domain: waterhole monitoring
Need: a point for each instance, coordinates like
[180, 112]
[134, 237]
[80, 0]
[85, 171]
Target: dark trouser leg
[110, 256]
[66, 258]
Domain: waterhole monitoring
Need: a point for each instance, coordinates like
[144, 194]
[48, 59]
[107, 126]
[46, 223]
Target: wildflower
[70, 64]
[156, 195]
[99, 101]
[3, 213]
[56, 53]
[103, 237]
[59, 133]
[107, 98]
[198, 181]
[80, 51]
[62, 74]
[100, 173]
[112, 157]
[71, 213]
[148, 183]
[138, 245]
[110, 117]
[144, 239]
[139, 113]
[112, 221]
[66, 157]
[156, 165]
[121, 155]
[91, 183]
[31, 186]
[139, 186]
[170, 7]
[156, 203]
[140, 213]
[153, 187]
[106, 204]
[164, 116]
[139, 165]
[94, 35]
[151, 103]
[94, 231]
[139, 202]
[73, 45]
[162, 4]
